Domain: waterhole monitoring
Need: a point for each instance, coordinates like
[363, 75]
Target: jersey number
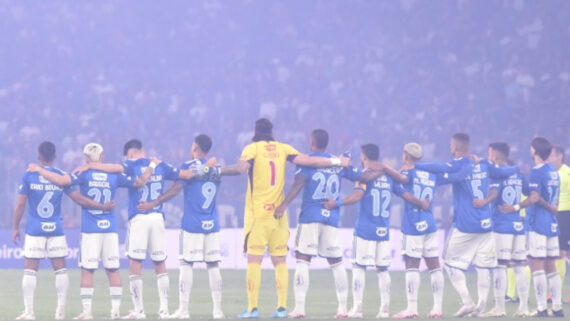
[96, 194]
[380, 199]
[425, 194]
[45, 207]
[209, 192]
[476, 187]
[553, 195]
[511, 195]
[154, 193]
[327, 188]
[273, 173]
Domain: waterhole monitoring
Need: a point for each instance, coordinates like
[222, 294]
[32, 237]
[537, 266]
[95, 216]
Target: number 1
[272, 167]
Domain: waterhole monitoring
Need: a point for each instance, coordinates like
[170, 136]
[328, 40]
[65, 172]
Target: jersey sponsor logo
[207, 225]
[103, 224]
[554, 227]
[48, 226]
[270, 147]
[100, 176]
[269, 207]
[381, 231]
[421, 226]
[518, 226]
[325, 213]
[486, 223]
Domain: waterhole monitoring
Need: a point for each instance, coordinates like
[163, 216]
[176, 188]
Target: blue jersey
[44, 204]
[510, 192]
[422, 185]
[153, 188]
[544, 180]
[100, 187]
[322, 184]
[200, 211]
[373, 221]
[470, 181]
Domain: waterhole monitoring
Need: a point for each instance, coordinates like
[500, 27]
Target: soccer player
[146, 229]
[99, 231]
[317, 232]
[470, 241]
[44, 230]
[542, 203]
[509, 234]
[199, 237]
[371, 245]
[265, 161]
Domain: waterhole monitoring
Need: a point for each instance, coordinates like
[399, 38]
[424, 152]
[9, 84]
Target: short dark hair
[463, 140]
[263, 130]
[204, 142]
[321, 138]
[47, 151]
[502, 148]
[542, 147]
[559, 150]
[133, 143]
[371, 151]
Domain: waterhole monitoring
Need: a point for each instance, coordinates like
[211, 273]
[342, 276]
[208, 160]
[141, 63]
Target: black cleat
[558, 313]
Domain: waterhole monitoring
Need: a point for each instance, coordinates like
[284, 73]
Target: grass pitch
[321, 299]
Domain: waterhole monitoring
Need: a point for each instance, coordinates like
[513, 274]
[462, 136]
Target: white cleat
[178, 314]
[521, 314]
[216, 315]
[405, 315]
[296, 315]
[26, 316]
[355, 313]
[115, 315]
[383, 314]
[464, 311]
[433, 314]
[163, 315]
[133, 315]
[493, 313]
[84, 316]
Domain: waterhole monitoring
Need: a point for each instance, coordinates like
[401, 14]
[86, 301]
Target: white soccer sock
[483, 286]
[500, 288]
[522, 286]
[215, 287]
[539, 280]
[358, 285]
[301, 285]
[555, 285]
[457, 278]
[116, 293]
[384, 282]
[61, 287]
[437, 286]
[163, 283]
[86, 300]
[136, 288]
[29, 281]
[341, 285]
[185, 280]
[412, 286]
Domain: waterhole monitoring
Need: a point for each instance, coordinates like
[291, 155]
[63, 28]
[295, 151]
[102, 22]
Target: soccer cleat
[218, 315]
[178, 314]
[115, 315]
[84, 316]
[464, 311]
[521, 314]
[493, 313]
[280, 313]
[254, 314]
[434, 314]
[133, 315]
[509, 299]
[539, 314]
[297, 315]
[355, 313]
[383, 314]
[26, 316]
[558, 313]
[163, 315]
[340, 316]
[405, 315]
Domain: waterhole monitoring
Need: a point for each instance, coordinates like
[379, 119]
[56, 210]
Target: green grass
[321, 299]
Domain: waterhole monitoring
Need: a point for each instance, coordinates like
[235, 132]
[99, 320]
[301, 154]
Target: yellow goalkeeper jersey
[266, 177]
[564, 197]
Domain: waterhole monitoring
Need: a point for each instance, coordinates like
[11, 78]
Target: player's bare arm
[57, 179]
[164, 197]
[19, 208]
[530, 200]
[238, 168]
[319, 162]
[198, 170]
[354, 197]
[493, 194]
[297, 186]
[416, 202]
[104, 167]
[88, 203]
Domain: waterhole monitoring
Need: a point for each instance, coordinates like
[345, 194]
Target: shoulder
[57, 170]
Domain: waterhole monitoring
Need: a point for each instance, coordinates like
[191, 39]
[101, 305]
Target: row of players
[470, 241]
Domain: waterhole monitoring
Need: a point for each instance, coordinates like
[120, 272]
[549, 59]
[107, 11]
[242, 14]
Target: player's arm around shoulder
[56, 178]
[319, 162]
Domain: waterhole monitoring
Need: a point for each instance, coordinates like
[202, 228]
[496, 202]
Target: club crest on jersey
[381, 231]
[100, 176]
[421, 226]
[207, 225]
[486, 223]
[326, 213]
[48, 226]
[103, 224]
[554, 227]
[518, 226]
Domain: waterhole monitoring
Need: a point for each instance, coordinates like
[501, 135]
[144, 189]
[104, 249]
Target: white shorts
[542, 246]
[97, 247]
[199, 247]
[371, 253]
[418, 246]
[510, 246]
[39, 247]
[462, 249]
[146, 233]
[318, 239]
